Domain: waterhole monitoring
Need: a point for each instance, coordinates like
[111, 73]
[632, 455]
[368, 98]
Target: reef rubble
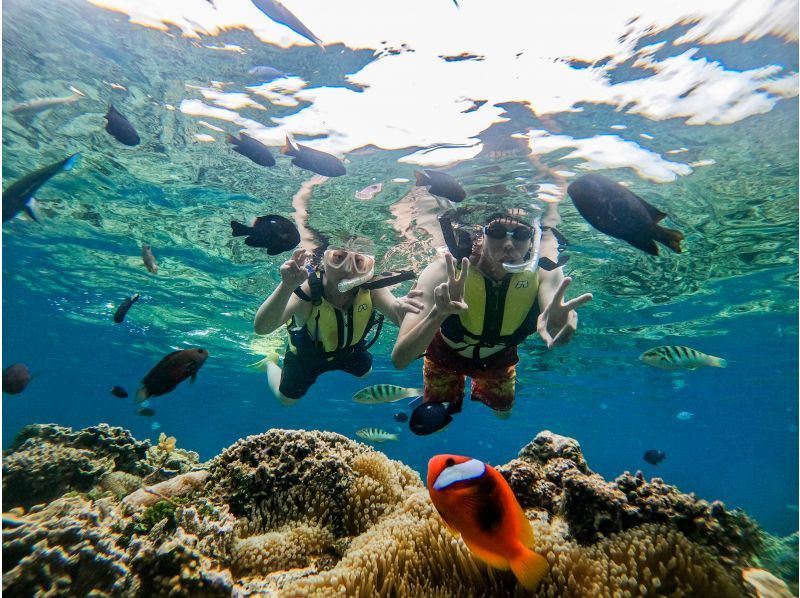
[307, 513]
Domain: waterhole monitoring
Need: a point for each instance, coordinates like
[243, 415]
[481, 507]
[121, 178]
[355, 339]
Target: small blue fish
[672, 357]
[684, 415]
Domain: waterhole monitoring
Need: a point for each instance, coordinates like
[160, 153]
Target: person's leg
[358, 364]
[292, 382]
[274, 375]
[496, 388]
[442, 385]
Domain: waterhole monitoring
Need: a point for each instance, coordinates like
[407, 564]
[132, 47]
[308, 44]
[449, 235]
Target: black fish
[123, 308]
[654, 457]
[616, 211]
[171, 371]
[251, 148]
[120, 127]
[146, 412]
[16, 378]
[19, 195]
[280, 14]
[440, 184]
[275, 233]
[429, 418]
[313, 160]
[119, 392]
[400, 417]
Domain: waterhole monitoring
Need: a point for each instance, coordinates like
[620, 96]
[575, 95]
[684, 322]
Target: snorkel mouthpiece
[532, 263]
[351, 283]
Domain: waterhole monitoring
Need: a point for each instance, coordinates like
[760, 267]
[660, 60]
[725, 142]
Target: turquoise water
[732, 293]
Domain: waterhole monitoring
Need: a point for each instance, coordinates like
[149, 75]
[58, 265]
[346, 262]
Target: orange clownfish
[474, 500]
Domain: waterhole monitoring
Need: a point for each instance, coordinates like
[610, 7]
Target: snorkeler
[477, 311]
[331, 311]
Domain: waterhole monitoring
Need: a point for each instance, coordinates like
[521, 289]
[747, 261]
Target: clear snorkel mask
[361, 264]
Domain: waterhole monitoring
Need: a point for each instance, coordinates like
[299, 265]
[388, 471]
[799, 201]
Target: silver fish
[375, 435]
[41, 104]
[384, 393]
[671, 357]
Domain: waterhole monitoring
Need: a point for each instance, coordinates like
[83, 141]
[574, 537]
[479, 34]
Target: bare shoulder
[433, 274]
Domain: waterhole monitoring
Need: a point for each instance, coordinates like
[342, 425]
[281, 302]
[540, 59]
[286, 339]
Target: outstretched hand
[408, 304]
[293, 271]
[448, 296]
[558, 321]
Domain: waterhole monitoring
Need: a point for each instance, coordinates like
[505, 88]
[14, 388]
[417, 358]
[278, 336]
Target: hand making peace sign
[558, 321]
[449, 296]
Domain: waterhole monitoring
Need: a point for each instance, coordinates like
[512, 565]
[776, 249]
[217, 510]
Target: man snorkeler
[476, 312]
[330, 312]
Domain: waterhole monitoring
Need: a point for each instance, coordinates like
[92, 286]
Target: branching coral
[67, 548]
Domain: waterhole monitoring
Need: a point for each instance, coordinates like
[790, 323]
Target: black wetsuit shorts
[301, 369]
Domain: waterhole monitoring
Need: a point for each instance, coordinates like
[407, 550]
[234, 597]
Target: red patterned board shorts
[445, 372]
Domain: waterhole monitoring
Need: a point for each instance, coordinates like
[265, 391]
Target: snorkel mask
[352, 261]
[514, 229]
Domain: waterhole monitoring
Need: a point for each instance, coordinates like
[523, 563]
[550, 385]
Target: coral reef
[296, 513]
[551, 474]
[180, 485]
[46, 460]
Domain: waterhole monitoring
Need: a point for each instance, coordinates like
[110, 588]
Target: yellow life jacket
[499, 313]
[331, 329]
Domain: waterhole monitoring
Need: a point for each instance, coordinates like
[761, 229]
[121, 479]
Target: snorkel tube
[460, 247]
[532, 263]
[351, 283]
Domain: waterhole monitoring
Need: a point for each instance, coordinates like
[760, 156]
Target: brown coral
[551, 474]
[322, 478]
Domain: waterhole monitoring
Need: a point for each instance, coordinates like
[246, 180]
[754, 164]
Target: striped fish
[375, 435]
[384, 393]
[672, 357]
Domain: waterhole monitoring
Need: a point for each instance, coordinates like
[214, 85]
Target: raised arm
[283, 303]
[442, 294]
[558, 320]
